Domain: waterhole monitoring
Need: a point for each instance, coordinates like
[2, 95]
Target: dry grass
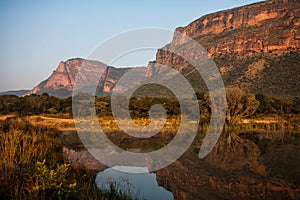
[33, 166]
[21, 147]
[107, 123]
[4, 117]
[59, 123]
[110, 124]
[25, 144]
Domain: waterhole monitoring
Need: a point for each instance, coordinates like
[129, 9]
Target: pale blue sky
[36, 35]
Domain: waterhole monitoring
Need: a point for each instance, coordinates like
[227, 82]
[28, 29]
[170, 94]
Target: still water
[140, 184]
[251, 165]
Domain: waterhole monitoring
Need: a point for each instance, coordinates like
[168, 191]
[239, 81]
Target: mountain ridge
[256, 47]
[60, 83]
[14, 92]
[248, 44]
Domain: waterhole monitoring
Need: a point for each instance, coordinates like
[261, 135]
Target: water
[141, 185]
[251, 165]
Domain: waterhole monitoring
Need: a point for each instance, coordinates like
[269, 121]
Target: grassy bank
[33, 166]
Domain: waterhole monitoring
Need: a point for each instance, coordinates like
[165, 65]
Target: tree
[239, 104]
[265, 104]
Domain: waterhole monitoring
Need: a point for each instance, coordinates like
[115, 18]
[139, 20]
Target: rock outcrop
[269, 27]
[238, 38]
[62, 80]
[256, 47]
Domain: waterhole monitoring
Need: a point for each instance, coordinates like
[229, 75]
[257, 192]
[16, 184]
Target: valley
[50, 139]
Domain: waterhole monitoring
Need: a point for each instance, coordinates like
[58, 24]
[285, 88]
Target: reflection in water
[141, 185]
[245, 165]
[248, 165]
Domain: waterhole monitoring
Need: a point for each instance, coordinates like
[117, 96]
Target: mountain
[61, 81]
[256, 47]
[15, 92]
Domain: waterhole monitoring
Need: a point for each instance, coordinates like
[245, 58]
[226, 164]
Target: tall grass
[33, 166]
[21, 147]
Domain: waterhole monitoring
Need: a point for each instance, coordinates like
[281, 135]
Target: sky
[36, 35]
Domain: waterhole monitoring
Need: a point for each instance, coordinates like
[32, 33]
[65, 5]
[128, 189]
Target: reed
[33, 166]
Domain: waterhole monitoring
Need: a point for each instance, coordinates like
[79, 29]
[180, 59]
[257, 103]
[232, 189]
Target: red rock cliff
[269, 27]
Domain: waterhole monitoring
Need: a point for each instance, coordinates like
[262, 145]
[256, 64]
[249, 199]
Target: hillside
[15, 92]
[256, 47]
[61, 81]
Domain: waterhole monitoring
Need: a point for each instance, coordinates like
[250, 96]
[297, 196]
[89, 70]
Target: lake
[248, 165]
[141, 185]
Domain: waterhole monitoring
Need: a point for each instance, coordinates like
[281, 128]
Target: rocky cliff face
[257, 32]
[269, 27]
[62, 80]
[256, 47]
[109, 79]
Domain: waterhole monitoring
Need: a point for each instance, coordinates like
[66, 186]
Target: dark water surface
[248, 165]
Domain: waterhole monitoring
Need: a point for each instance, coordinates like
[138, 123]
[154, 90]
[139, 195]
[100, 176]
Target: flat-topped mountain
[268, 27]
[256, 47]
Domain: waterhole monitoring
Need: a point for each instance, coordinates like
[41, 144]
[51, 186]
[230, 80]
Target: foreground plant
[32, 166]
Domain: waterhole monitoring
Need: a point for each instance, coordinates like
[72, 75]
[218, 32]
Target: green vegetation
[54, 107]
[35, 104]
[33, 166]
[239, 105]
[278, 75]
